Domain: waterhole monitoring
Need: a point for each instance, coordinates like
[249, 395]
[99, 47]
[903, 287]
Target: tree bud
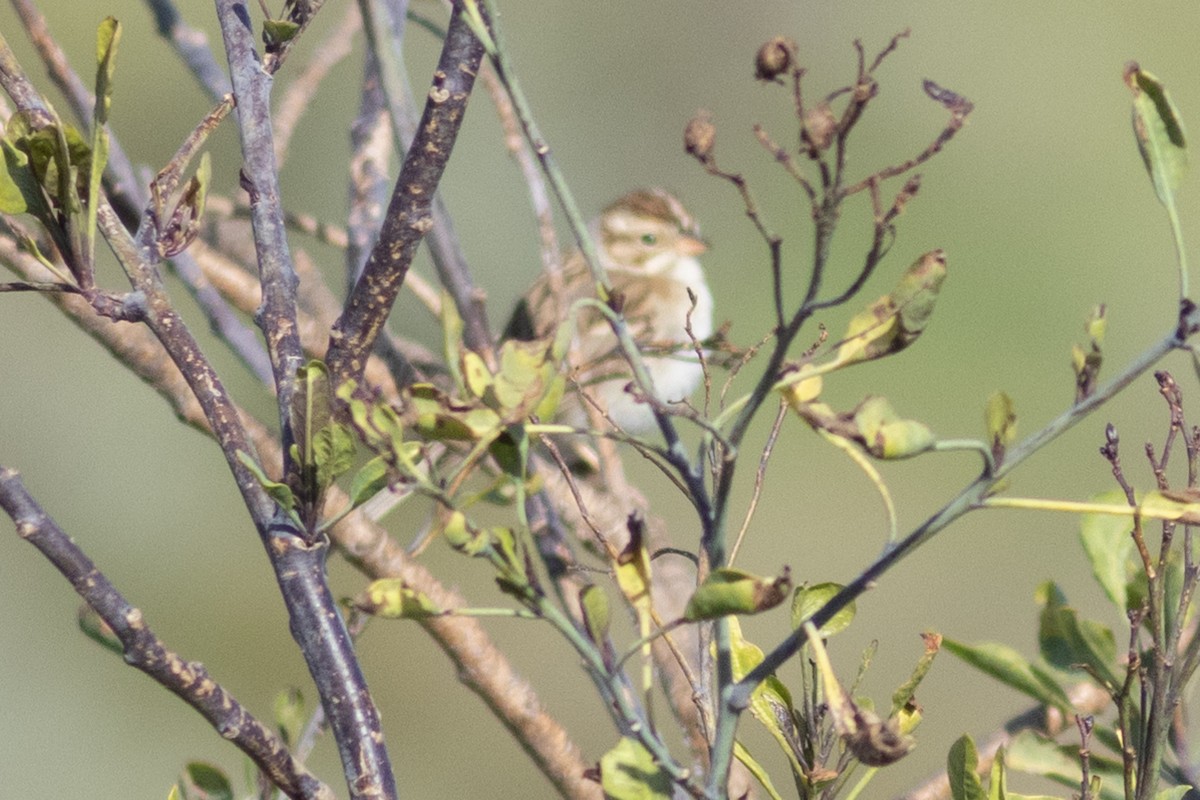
[700, 135]
[774, 58]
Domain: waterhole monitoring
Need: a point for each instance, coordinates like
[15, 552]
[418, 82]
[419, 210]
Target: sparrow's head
[647, 231]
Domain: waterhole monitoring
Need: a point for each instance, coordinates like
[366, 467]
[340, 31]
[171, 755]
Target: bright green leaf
[756, 769]
[290, 715]
[628, 772]
[1034, 754]
[1108, 543]
[770, 702]
[1000, 417]
[1158, 128]
[593, 602]
[886, 435]
[208, 779]
[475, 373]
[368, 481]
[279, 492]
[1010, 668]
[808, 600]
[333, 451]
[961, 764]
[998, 780]
[1174, 793]
[278, 31]
[16, 182]
[732, 591]
[1068, 642]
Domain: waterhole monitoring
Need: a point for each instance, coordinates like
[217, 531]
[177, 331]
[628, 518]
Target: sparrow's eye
[649, 239]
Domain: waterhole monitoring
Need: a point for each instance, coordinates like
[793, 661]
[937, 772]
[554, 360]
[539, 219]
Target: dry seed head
[774, 58]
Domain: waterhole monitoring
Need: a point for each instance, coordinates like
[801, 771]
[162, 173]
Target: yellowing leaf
[391, 598]
[894, 321]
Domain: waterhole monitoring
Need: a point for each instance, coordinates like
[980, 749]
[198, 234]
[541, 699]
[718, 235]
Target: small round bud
[820, 125]
[700, 135]
[774, 58]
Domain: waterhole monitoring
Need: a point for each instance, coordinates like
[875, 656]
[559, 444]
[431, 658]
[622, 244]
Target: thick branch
[189, 680]
[260, 178]
[408, 217]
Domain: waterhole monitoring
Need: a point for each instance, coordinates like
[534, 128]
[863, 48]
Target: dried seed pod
[774, 58]
[700, 135]
[820, 125]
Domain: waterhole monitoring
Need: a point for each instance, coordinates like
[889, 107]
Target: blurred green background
[1041, 203]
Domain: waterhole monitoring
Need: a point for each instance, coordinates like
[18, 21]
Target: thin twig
[759, 476]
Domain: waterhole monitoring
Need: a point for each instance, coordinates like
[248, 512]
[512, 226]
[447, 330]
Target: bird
[649, 245]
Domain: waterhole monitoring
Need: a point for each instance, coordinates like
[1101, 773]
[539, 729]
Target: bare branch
[189, 680]
[408, 218]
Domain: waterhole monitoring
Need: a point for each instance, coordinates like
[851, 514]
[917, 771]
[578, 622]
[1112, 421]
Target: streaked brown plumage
[648, 244]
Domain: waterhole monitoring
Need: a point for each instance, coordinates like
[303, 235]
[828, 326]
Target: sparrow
[649, 246]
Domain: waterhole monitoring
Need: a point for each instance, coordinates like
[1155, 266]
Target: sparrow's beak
[691, 245]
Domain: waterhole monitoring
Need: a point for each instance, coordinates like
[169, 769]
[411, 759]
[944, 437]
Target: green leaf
[1108, 542]
[1034, 754]
[1010, 668]
[452, 328]
[333, 451]
[1174, 793]
[628, 772]
[92, 624]
[278, 31]
[1158, 129]
[391, 598]
[368, 481]
[593, 602]
[894, 321]
[998, 779]
[732, 591]
[1068, 642]
[1000, 416]
[886, 435]
[290, 716]
[808, 600]
[511, 451]
[902, 698]
[961, 764]
[519, 381]
[16, 181]
[770, 702]
[756, 769]
[279, 492]
[310, 409]
[209, 780]
[475, 374]
[108, 36]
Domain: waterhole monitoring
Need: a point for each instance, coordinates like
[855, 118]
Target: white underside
[675, 377]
